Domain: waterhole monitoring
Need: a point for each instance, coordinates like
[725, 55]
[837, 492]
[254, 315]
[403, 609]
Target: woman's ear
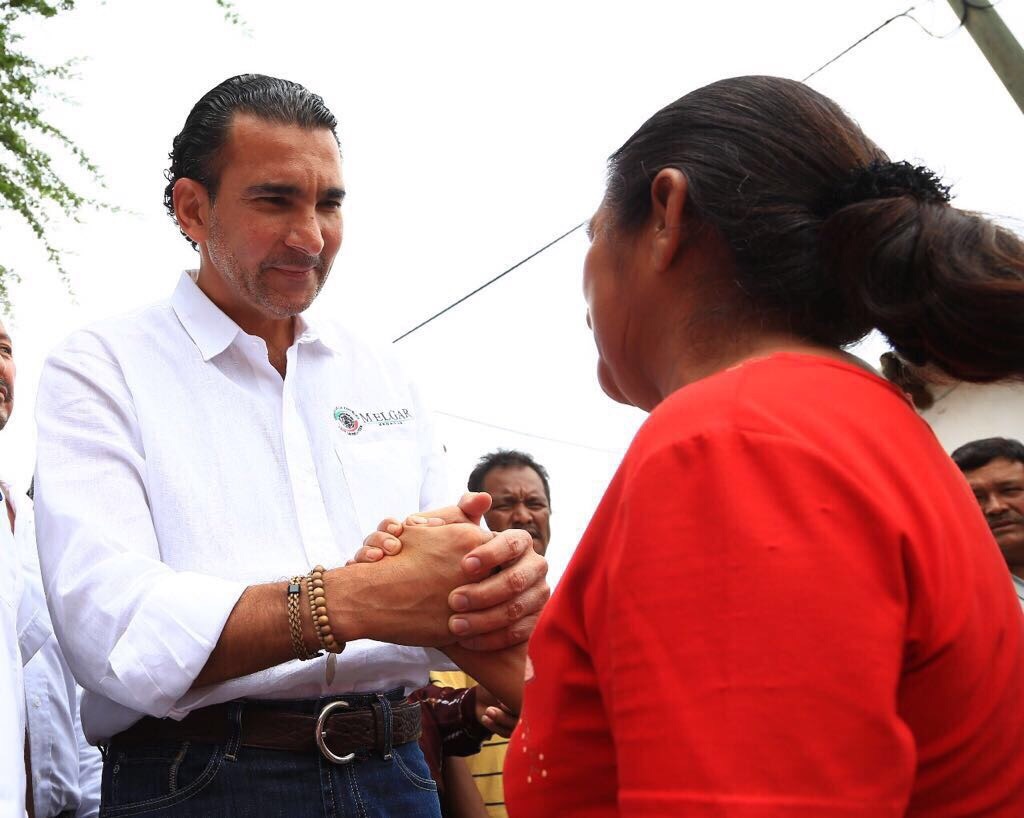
[192, 209]
[669, 196]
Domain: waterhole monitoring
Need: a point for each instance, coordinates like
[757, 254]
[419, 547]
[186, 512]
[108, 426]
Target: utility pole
[996, 42]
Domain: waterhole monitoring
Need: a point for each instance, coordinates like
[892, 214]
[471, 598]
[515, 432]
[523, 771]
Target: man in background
[61, 777]
[520, 494]
[521, 498]
[994, 468]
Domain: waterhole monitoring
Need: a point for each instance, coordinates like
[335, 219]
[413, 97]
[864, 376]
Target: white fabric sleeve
[130, 627]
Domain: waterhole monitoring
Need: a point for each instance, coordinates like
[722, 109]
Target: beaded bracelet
[318, 607]
[295, 620]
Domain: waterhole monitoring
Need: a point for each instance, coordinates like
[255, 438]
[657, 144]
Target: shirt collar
[10, 494]
[1019, 585]
[212, 331]
[307, 331]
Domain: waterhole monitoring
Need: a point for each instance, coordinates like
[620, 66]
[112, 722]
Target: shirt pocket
[383, 478]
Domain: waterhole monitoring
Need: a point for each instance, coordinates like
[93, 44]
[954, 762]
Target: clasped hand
[487, 588]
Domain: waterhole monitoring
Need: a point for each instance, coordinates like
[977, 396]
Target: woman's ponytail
[945, 286]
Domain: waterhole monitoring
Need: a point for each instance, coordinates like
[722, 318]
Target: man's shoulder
[108, 336]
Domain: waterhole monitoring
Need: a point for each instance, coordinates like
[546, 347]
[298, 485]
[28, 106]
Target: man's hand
[405, 599]
[384, 541]
[493, 715]
[501, 606]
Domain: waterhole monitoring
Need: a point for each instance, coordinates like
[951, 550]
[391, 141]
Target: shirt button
[36, 702]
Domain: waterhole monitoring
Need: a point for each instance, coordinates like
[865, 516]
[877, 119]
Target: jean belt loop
[235, 736]
[386, 725]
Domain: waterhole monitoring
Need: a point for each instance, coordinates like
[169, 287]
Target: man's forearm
[402, 600]
[256, 635]
[500, 671]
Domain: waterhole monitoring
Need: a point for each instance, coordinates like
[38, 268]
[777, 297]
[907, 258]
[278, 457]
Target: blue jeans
[193, 780]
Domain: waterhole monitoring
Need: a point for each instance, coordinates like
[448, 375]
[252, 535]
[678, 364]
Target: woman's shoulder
[799, 396]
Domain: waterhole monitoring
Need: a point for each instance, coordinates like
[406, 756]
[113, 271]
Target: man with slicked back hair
[205, 468]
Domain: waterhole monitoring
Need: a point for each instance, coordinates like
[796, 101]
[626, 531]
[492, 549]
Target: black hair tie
[886, 180]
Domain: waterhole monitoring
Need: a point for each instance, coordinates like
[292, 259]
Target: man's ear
[192, 209]
[669, 197]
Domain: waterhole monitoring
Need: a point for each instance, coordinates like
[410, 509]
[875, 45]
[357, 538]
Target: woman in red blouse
[787, 603]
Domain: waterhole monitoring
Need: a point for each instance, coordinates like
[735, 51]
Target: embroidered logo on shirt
[347, 420]
[352, 422]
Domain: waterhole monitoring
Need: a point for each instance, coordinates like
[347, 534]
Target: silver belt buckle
[319, 735]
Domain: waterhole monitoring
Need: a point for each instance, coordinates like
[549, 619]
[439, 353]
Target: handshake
[437, 579]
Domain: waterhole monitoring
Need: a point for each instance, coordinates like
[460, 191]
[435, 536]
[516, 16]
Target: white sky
[472, 134]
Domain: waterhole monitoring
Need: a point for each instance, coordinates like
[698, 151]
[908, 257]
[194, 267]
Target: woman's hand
[384, 541]
[493, 715]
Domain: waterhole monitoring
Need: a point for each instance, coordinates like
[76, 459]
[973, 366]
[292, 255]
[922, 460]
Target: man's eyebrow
[5, 337]
[271, 189]
[274, 189]
[590, 229]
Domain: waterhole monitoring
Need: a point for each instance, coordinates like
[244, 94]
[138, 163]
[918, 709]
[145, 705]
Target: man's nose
[306, 235]
[521, 514]
[994, 504]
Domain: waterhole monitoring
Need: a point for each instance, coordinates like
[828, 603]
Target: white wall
[965, 412]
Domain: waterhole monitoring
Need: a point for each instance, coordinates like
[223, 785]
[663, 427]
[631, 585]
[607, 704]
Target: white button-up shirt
[176, 466]
[66, 770]
[24, 627]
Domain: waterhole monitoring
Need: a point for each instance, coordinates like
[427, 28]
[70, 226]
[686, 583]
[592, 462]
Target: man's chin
[286, 301]
[277, 305]
[1011, 543]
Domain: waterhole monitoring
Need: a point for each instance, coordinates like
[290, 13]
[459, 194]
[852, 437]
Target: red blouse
[787, 604]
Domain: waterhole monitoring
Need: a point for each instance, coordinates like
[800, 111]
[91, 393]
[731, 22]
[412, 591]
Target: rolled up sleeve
[131, 628]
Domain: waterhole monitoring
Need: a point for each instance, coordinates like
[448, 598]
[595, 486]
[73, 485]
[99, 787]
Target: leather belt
[341, 734]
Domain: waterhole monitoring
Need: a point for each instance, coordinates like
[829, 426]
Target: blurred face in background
[519, 501]
[7, 373]
[999, 489]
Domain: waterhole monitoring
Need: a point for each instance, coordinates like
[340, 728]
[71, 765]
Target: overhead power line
[866, 37]
[487, 284]
[968, 6]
